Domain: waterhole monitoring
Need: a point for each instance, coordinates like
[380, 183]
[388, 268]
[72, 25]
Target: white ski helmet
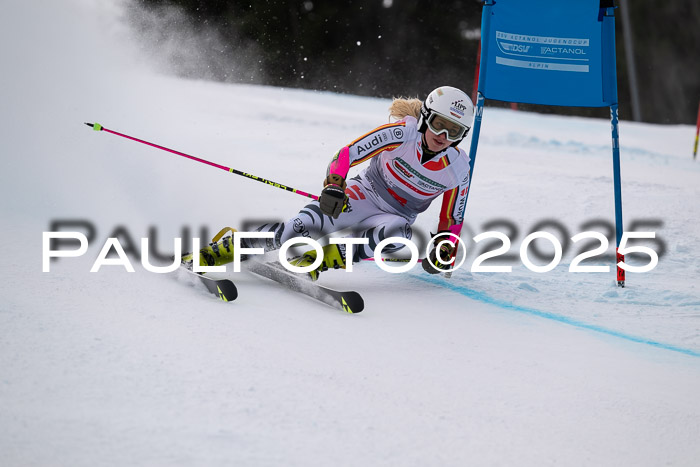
[449, 103]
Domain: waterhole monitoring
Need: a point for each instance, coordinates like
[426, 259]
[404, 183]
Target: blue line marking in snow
[482, 297]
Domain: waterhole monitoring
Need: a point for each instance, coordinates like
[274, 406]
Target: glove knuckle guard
[333, 198]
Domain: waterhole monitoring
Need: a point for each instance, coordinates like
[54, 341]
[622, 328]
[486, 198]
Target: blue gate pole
[479, 111]
[476, 129]
[618, 192]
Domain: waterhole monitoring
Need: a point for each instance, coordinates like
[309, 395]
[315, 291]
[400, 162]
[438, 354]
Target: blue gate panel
[548, 52]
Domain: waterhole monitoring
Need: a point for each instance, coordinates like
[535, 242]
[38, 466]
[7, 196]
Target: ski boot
[333, 257]
[217, 253]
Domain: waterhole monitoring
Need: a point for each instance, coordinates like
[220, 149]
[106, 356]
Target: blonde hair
[401, 107]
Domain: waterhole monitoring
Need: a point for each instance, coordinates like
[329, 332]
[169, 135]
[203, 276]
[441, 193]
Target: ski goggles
[453, 131]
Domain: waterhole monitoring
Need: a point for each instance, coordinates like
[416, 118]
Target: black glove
[333, 199]
[431, 263]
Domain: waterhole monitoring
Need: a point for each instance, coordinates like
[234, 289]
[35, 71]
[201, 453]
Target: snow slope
[118, 368]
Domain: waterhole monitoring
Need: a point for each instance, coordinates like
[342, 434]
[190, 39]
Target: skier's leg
[310, 222]
[379, 228]
[367, 217]
[363, 216]
[334, 255]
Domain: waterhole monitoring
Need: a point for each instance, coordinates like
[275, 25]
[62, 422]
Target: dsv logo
[516, 47]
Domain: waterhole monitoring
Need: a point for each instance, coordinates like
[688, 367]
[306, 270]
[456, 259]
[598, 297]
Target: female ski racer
[409, 163]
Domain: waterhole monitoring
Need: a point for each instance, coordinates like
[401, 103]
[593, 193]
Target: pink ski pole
[98, 127]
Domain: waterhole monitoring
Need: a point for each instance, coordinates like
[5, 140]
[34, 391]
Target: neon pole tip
[95, 126]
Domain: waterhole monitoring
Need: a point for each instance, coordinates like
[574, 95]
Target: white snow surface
[144, 369]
